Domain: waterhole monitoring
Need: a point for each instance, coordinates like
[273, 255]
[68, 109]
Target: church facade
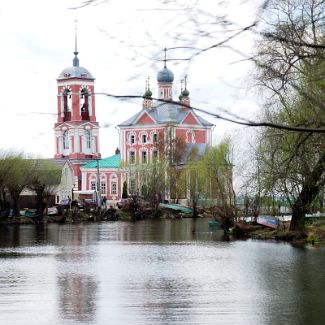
[77, 133]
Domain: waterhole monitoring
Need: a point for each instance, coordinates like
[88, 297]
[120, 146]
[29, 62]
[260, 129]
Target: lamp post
[98, 185]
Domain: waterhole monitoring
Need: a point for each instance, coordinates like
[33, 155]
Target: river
[154, 272]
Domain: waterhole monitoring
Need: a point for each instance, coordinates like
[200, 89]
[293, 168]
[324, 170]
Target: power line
[218, 116]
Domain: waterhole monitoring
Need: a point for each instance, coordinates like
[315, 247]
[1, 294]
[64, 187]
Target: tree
[211, 179]
[5, 168]
[17, 179]
[45, 176]
[156, 183]
[291, 67]
[125, 190]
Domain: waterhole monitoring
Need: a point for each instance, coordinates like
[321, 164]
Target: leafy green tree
[291, 67]
[45, 176]
[211, 179]
[5, 168]
[18, 178]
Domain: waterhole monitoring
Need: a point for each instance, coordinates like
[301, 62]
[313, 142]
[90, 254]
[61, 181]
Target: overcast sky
[120, 42]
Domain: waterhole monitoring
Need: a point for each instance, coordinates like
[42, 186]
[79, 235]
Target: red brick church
[77, 143]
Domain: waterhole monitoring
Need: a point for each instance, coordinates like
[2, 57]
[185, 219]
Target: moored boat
[214, 224]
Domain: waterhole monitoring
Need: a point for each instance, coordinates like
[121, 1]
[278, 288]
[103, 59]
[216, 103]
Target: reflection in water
[77, 286]
[77, 297]
[154, 272]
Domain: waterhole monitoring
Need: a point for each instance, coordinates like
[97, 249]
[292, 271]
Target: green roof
[109, 162]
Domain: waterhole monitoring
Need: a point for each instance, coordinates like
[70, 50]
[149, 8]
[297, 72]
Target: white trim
[129, 134]
[143, 126]
[192, 135]
[113, 178]
[79, 126]
[83, 180]
[140, 134]
[79, 82]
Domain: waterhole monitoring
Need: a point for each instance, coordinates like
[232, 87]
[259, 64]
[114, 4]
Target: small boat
[176, 207]
[268, 221]
[52, 211]
[214, 224]
[29, 213]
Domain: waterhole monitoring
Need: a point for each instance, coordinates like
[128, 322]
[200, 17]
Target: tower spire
[75, 59]
[185, 82]
[165, 58]
[184, 96]
[147, 99]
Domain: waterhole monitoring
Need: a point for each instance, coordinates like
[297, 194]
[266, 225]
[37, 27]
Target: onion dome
[165, 76]
[185, 93]
[147, 94]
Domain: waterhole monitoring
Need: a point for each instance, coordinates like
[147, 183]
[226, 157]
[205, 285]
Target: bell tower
[76, 129]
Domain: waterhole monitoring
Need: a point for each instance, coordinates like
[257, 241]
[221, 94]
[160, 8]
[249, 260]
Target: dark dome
[75, 72]
[185, 93]
[165, 75]
[147, 94]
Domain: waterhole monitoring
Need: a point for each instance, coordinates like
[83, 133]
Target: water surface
[154, 272]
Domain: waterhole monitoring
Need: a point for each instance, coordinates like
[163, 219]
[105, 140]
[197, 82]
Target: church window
[88, 139]
[132, 157]
[93, 185]
[144, 157]
[103, 187]
[155, 138]
[65, 140]
[144, 138]
[113, 188]
[132, 139]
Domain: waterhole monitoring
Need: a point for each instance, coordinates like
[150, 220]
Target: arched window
[84, 100]
[114, 184]
[143, 137]
[67, 100]
[154, 138]
[88, 139]
[144, 157]
[65, 140]
[132, 157]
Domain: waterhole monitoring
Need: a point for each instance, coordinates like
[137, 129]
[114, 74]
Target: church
[77, 142]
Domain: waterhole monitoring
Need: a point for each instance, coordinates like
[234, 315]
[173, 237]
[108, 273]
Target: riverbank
[314, 234]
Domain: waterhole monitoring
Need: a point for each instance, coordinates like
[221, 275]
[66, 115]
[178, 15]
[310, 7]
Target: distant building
[77, 133]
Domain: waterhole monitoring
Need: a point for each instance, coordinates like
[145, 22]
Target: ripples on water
[154, 272]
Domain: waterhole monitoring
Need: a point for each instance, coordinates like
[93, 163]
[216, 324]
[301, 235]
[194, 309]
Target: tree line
[19, 173]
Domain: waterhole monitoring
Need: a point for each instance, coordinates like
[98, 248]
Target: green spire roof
[110, 162]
